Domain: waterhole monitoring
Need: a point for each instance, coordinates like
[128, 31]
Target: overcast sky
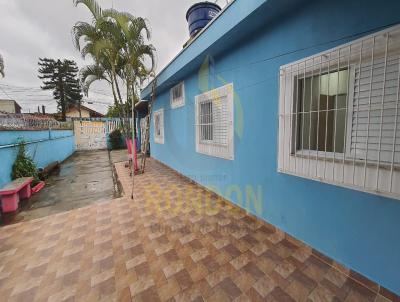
[30, 29]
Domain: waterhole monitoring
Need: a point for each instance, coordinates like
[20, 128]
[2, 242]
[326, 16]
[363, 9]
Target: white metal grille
[177, 95]
[214, 122]
[339, 117]
[159, 126]
[143, 126]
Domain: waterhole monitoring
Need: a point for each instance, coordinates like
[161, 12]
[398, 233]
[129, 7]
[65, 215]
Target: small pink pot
[38, 187]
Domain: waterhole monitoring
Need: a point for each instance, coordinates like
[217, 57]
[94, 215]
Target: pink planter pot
[10, 202]
[38, 187]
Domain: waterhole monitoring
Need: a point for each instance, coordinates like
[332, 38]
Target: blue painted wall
[357, 229]
[54, 145]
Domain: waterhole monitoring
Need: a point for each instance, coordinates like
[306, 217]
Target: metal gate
[93, 134]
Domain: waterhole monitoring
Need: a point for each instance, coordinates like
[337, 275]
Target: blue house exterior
[246, 47]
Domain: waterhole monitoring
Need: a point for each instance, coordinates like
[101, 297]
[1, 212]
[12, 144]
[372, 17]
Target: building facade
[290, 109]
[9, 106]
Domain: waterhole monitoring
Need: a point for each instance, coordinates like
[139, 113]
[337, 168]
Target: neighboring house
[73, 112]
[290, 109]
[10, 106]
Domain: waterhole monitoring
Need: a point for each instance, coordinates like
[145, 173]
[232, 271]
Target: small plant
[116, 139]
[24, 166]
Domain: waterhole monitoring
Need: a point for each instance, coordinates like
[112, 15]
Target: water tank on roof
[199, 15]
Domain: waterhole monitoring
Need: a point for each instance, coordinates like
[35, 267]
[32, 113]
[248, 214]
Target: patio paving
[174, 241]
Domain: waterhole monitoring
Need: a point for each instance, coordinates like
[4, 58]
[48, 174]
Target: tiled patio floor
[161, 246]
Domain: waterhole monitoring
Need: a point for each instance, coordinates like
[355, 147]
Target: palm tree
[116, 41]
[132, 49]
[2, 66]
[102, 69]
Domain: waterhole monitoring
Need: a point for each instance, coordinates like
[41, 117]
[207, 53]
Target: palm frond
[89, 50]
[138, 26]
[82, 29]
[104, 47]
[113, 13]
[92, 5]
[91, 73]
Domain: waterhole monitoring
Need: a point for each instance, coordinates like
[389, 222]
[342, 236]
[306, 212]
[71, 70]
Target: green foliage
[118, 110]
[116, 139]
[62, 78]
[23, 166]
[117, 43]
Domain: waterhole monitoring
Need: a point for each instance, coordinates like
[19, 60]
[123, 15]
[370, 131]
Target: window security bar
[339, 115]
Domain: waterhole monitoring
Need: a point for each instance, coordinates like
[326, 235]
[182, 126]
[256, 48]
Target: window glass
[206, 121]
[321, 112]
[157, 122]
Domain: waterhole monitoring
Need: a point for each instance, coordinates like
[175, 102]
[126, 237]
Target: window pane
[157, 123]
[206, 121]
[177, 92]
[321, 112]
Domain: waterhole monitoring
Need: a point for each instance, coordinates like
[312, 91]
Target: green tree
[62, 78]
[1, 66]
[106, 63]
[117, 43]
[116, 111]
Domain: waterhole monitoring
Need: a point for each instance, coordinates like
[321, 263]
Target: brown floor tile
[252, 269]
[230, 288]
[173, 242]
[281, 296]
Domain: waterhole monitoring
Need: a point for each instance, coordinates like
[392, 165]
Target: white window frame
[159, 139]
[214, 147]
[178, 102]
[373, 174]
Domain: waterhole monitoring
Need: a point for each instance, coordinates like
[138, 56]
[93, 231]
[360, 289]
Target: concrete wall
[43, 146]
[357, 229]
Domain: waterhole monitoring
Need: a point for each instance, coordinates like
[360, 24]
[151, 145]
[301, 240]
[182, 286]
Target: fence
[93, 134]
[31, 122]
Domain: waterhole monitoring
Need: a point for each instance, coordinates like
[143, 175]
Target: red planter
[38, 187]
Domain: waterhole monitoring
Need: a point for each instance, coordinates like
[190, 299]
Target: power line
[5, 92]
[15, 88]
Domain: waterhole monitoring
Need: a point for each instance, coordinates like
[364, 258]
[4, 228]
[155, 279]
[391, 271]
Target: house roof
[90, 110]
[227, 19]
[142, 104]
[230, 18]
[239, 20]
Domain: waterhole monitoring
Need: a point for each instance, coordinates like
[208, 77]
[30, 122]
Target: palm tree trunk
[117, 103]
[118, 91]
[133, 110]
